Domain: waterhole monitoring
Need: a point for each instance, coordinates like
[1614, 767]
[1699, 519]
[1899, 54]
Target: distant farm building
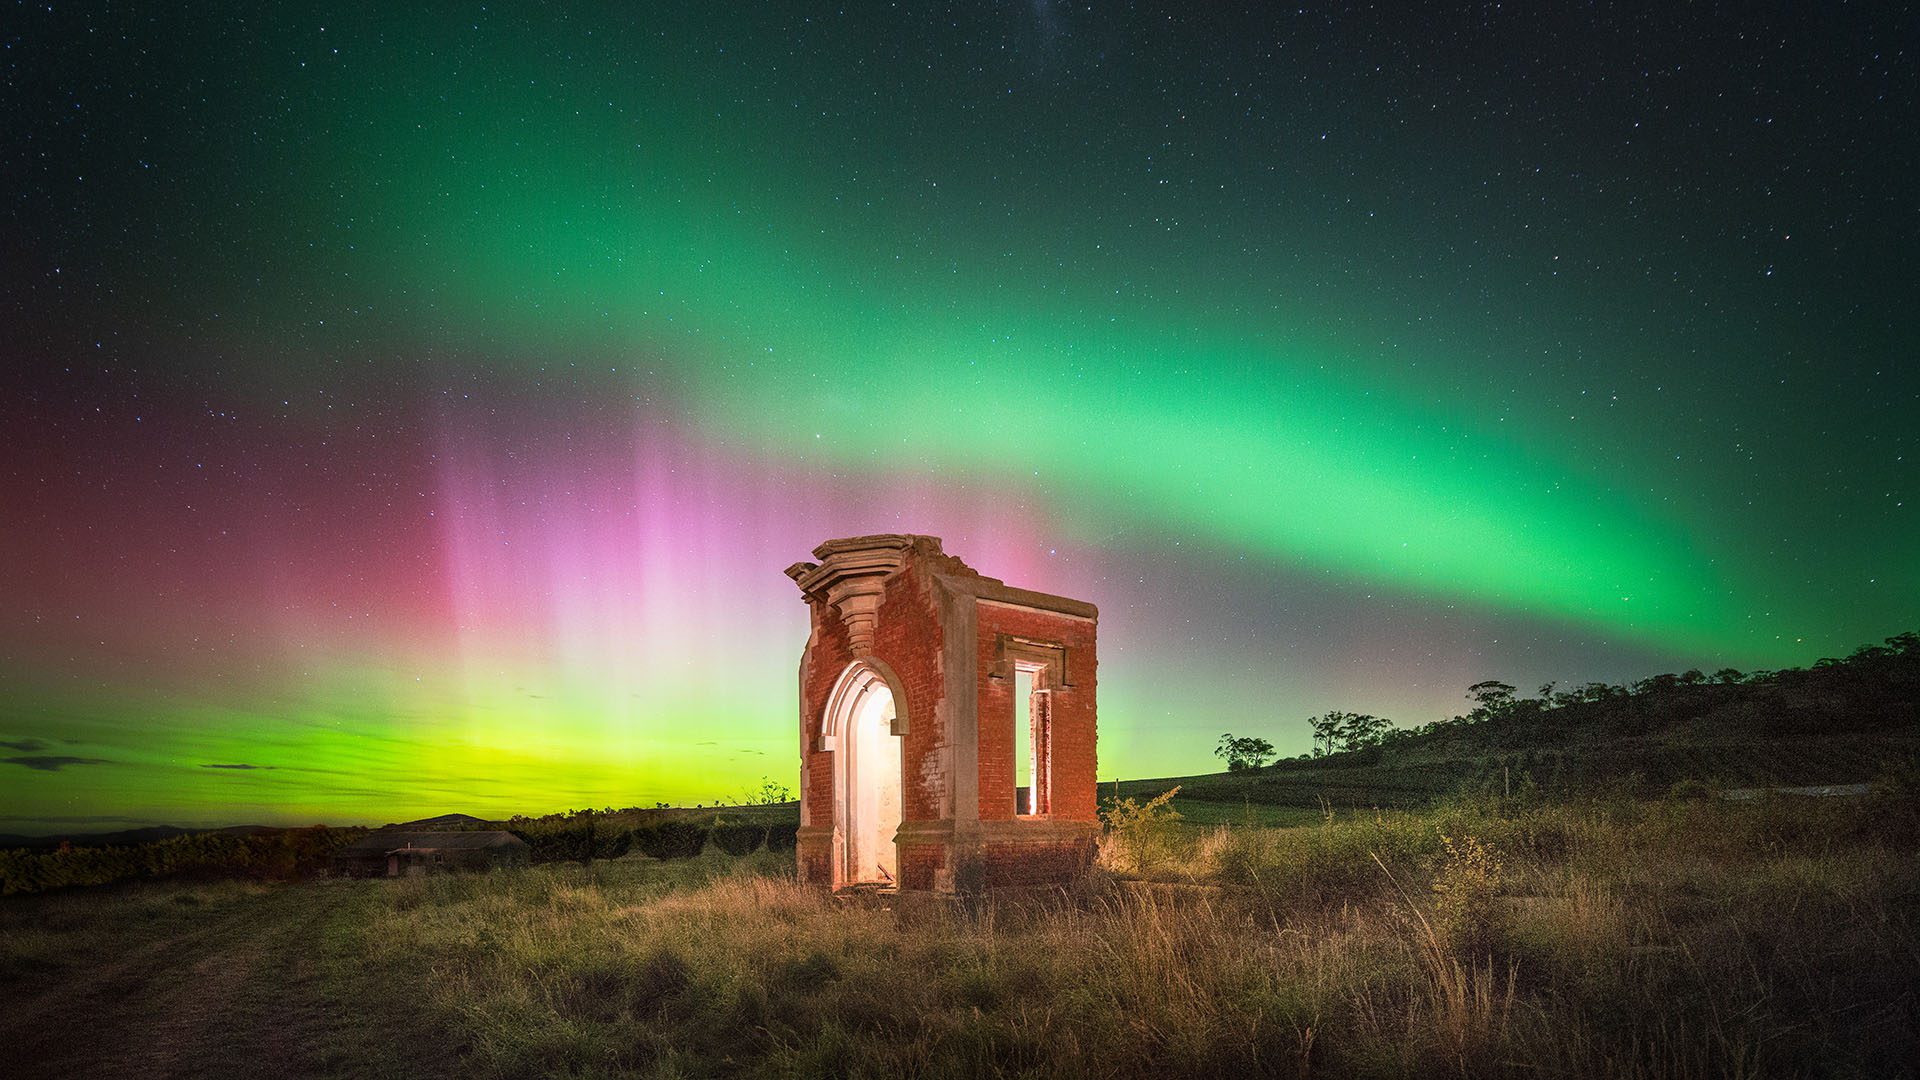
[946, 723]
[403, 853]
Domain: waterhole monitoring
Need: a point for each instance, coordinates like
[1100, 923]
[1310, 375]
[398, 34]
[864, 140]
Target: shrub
[783, 837]
[612, 843]
[1140, 836]
[567, 843]
[671, 839]
[738, 837]
[1464, 893]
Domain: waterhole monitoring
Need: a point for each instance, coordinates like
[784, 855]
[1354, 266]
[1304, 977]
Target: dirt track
[238, 990]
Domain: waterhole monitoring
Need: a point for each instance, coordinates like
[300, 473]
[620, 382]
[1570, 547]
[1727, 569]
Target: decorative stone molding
[866, 676]
[851, 576]
[1047, 657]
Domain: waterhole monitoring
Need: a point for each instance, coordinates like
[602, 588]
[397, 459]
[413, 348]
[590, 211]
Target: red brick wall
[1074, 765]
[920, 865]
[996, 732]
[829, 657]
[1036, 864]
[909, 637]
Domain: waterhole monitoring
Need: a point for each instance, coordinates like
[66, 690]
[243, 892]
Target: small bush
[1464, 893]
[1140, 836]
[738, 837]
[671, 839]
[783, 837]
[612, 843]
[572, 842]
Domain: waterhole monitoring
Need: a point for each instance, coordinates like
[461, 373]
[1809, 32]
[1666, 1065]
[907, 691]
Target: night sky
[412, 410]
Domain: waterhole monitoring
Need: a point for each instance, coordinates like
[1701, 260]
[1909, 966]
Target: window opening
[1032, 711]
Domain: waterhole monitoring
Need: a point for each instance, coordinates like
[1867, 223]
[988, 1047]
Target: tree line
[277, 855]
[1874, 686]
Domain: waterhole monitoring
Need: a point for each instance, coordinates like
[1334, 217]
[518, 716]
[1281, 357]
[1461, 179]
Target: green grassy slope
[1841, 721]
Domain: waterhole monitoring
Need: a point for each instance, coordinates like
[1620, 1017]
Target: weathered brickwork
[909, 639]
[946, 643]
[921, 865]
[1037, 864]
[1074, 764]
[827, 653]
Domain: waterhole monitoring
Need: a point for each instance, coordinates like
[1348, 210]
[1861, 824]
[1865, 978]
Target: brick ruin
[913, 731]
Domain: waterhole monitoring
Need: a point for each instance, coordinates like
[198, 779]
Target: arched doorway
[863, 727]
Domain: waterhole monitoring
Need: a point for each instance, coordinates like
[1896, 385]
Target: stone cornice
[852, 573]
[852, 576]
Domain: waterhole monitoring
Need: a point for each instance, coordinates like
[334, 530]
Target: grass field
[1664, 938]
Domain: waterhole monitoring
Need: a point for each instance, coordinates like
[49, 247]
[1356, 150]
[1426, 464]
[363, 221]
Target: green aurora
[1614, 380]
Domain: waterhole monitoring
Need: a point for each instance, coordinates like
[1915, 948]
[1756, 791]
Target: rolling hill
[1840, 721]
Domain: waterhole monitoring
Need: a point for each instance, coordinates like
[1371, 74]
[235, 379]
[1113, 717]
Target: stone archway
[863, 725]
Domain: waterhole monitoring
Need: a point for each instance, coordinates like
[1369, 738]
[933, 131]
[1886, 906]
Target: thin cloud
[237, 765]
[54, 763]
[25, 746]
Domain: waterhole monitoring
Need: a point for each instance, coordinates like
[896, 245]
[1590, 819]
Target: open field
[1662, 938]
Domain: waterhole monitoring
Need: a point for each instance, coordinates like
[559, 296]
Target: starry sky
[411, 408]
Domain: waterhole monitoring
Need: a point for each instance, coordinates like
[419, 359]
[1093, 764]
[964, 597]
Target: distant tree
[1599, 691]
[1359, 731]
[1326, 732]
[1243, 753]
[1656, 684]
[1341, 731]
[583, 839]
[1492, 700]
